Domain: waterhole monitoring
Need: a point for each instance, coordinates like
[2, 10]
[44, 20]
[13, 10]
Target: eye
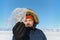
[30, 20]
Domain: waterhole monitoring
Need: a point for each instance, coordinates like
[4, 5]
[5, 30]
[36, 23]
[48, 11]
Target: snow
[51, 35]
[6, 35]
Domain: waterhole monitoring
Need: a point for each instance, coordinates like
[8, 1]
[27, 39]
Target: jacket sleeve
[43, 36]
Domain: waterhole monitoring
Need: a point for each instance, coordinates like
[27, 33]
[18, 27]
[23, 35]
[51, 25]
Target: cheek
[32, 23]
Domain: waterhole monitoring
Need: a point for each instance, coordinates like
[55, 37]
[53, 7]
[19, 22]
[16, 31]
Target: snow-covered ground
[51, 35]
[5, 35]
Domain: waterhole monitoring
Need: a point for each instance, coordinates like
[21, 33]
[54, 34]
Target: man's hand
[20, 32]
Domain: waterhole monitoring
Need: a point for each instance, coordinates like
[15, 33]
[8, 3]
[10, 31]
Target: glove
[20, 32]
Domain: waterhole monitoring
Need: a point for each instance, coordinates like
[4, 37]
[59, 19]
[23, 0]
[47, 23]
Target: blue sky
[48, 11]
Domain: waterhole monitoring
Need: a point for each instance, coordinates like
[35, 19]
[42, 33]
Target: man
[26, 30]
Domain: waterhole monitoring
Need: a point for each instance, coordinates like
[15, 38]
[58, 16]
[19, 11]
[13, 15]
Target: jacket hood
[31, 12]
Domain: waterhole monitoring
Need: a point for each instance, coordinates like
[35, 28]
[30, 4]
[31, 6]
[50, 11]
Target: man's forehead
[28, 19]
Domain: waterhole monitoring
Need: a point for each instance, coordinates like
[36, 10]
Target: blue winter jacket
[36, 35]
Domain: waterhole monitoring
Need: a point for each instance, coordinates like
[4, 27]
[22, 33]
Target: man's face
[28, 22]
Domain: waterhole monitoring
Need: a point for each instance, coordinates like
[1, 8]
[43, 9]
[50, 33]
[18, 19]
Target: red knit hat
[29, 17]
